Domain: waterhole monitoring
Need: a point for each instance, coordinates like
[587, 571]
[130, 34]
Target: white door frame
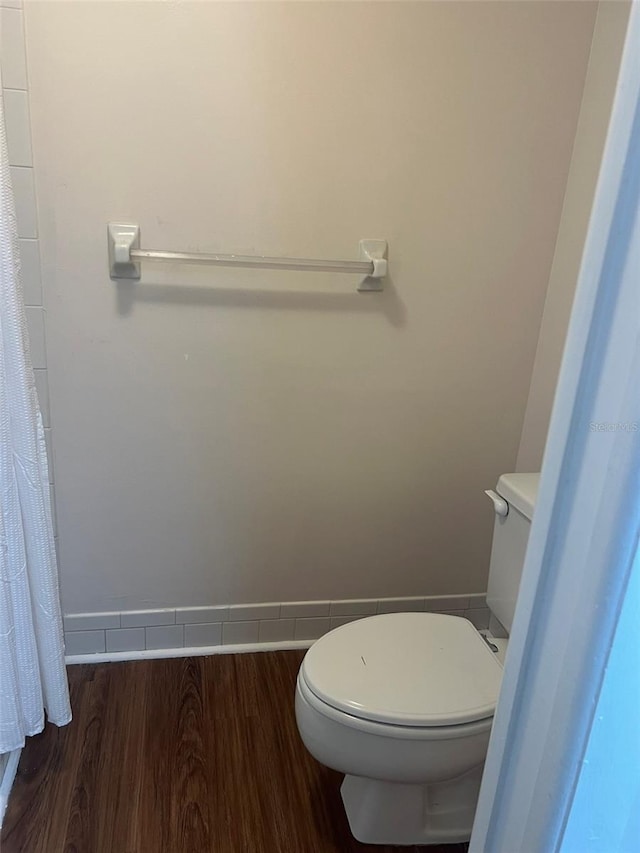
[586, 526]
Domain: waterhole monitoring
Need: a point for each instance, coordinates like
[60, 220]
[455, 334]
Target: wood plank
[46, 774]
[88, 794]
[174, 798]
[121, 761]
[193, 755]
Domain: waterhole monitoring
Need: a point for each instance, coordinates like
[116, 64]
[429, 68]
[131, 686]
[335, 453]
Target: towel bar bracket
[125, 257]
[376, 252]
[122, 238]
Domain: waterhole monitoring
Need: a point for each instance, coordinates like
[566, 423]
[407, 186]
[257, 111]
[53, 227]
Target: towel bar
[125, 257]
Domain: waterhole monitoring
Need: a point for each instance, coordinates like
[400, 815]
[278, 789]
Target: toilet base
[394, 813]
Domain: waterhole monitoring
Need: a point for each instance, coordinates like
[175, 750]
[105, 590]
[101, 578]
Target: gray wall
[226, 437]
[602, 73]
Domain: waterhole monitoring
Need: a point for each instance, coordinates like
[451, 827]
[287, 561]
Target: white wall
[602, 73]
[241, 436]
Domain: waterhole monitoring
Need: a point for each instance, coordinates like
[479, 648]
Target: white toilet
[403, 703]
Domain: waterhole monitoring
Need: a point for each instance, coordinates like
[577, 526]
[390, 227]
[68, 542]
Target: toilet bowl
[402, 704]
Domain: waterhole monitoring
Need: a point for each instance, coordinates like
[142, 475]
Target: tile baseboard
[187, 652]
[220, 629]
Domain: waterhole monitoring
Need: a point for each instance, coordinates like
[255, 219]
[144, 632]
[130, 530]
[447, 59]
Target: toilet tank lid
[520, 490]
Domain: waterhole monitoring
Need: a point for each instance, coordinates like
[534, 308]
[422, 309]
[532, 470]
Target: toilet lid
[410, 669]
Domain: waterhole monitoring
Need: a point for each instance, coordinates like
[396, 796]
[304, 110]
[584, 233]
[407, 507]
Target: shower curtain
[32, 672]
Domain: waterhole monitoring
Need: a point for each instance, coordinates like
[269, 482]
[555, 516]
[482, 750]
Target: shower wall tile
[47, 441]
[311, 629]
[15, 97]
[35, 325]
[240, 632]
[125, 639]
[42, 388]
[276, 630]
[12, 49]
[84, 642]
[203, 634]
[18, 130]
[16, 116]
[165, 637]
[25, 198]
[31, 277]
[54, 515]
[339, 621]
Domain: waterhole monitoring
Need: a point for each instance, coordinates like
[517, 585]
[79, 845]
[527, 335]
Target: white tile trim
[198, 615]
[148, 618]
[250, 612]
[401, 605]
[187, 652]
[299, 609]
[354, 607]
[438, 603]
[91, 621]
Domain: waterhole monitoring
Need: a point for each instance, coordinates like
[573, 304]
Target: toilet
[403, 703]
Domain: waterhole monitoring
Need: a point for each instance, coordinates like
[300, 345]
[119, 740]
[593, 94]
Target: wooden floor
[185, 755]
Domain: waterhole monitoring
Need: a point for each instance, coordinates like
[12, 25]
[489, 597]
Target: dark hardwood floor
[188, 755]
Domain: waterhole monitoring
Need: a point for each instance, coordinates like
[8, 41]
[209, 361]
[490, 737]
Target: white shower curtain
[32, 672]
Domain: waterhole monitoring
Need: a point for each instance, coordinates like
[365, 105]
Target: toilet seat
[397, 732]
[405, 669]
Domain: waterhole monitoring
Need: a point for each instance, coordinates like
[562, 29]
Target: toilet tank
[510, 537]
